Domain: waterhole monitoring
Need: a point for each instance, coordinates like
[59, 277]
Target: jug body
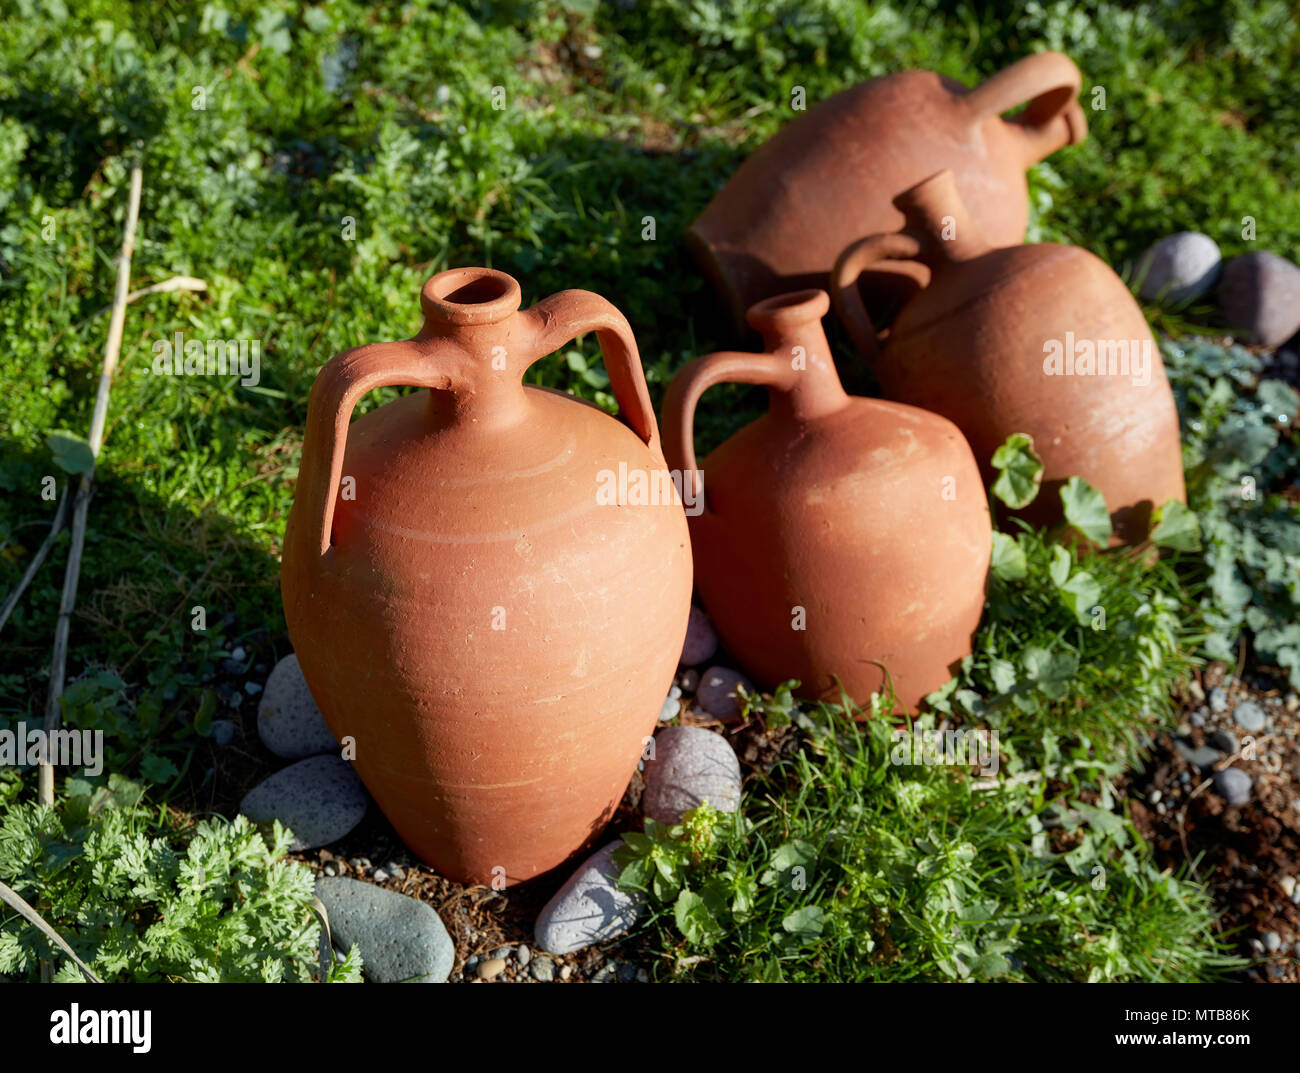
[780, 222]
[493, 635]
[844, 542]
[1041, 339]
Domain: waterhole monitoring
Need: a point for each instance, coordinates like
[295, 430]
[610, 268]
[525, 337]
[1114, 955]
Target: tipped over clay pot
[842, 539]
[489, 629]
[1043, 339]
[832, 174]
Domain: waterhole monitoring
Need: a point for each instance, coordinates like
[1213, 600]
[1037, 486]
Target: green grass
[348, 150]
[845, 866]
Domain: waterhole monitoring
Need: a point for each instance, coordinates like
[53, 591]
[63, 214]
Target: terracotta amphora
[831, 175]
[473, 603]
[841, 538]
[1043, 339]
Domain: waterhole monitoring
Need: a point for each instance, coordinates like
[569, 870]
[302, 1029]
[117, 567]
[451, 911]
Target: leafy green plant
[1077, 639]
[1241, 453]
[140, 897]
[848, 866]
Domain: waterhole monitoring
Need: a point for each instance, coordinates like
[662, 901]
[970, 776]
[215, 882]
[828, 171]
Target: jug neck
[791, 326]
[936, 214]
[476, 311]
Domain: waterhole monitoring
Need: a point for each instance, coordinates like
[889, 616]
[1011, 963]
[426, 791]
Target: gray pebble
[672, 707]
[1249, 716]
[252, 688]
[1197, 719]
[1259, 297]
[589, 908]
[690, 765]
[288, 720]
[319, 799]
[626, 973]
[523, 955]
[542, 970]
[701, 639]
[716, 693]
[1203, 756]
[606, 974]
[222, 732]
[400, 938]
[1178, 268]
[503, 952]
[1225, 741]
[1232, 785]
[1218, 699]
[1272, 941]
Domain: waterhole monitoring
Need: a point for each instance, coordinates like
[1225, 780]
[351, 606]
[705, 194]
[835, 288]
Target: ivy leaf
[1278, 398]
[1052, 671]
[72, 454]
[1085, 510]
[1009, 563]
[157, 768]
[1059, 568]
[1177, 527]
[1081, 593]
[805, 923]
[1021, 471]
[699, 926]
[1003, 673]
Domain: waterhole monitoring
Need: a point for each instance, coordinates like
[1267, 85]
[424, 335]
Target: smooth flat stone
[715, 693]
[400, 938]
[589, 908]
[288, 720]
[701, 639]
[1179, 267]
[319, 799]
[691, 765]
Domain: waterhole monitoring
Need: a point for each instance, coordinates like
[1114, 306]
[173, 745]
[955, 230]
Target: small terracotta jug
[784, 216]
[841, 538]
[494, 633]
[998, 343]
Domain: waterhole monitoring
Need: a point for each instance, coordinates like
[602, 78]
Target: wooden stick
[14, 899]
[81, 503]
[176, 283]
[56, 527]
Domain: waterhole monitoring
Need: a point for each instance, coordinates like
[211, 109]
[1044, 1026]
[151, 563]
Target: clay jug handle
[847, 295]
[339, 384]
[1052, 119]
[692, 381]
[568, 314]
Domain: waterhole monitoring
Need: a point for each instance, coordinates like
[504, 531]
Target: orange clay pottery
[840, 538]
[831, 175]
[1043, 339]
[494, 634]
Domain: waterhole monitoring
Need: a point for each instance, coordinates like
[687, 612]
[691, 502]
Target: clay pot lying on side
[465, 601]
[832, 174]
[1043, 339]
[840, 537]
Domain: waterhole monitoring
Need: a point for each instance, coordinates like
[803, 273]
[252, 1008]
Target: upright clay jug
[1044, 339]
[841, 538]
[495, 636]
[830, 175]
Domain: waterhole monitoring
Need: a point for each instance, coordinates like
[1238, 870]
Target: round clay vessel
[492, 633]
[999, 343]
[841, 538]
[783, 218]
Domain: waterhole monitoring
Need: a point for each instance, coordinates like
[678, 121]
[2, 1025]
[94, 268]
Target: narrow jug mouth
[786, 311]
[470, 296]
